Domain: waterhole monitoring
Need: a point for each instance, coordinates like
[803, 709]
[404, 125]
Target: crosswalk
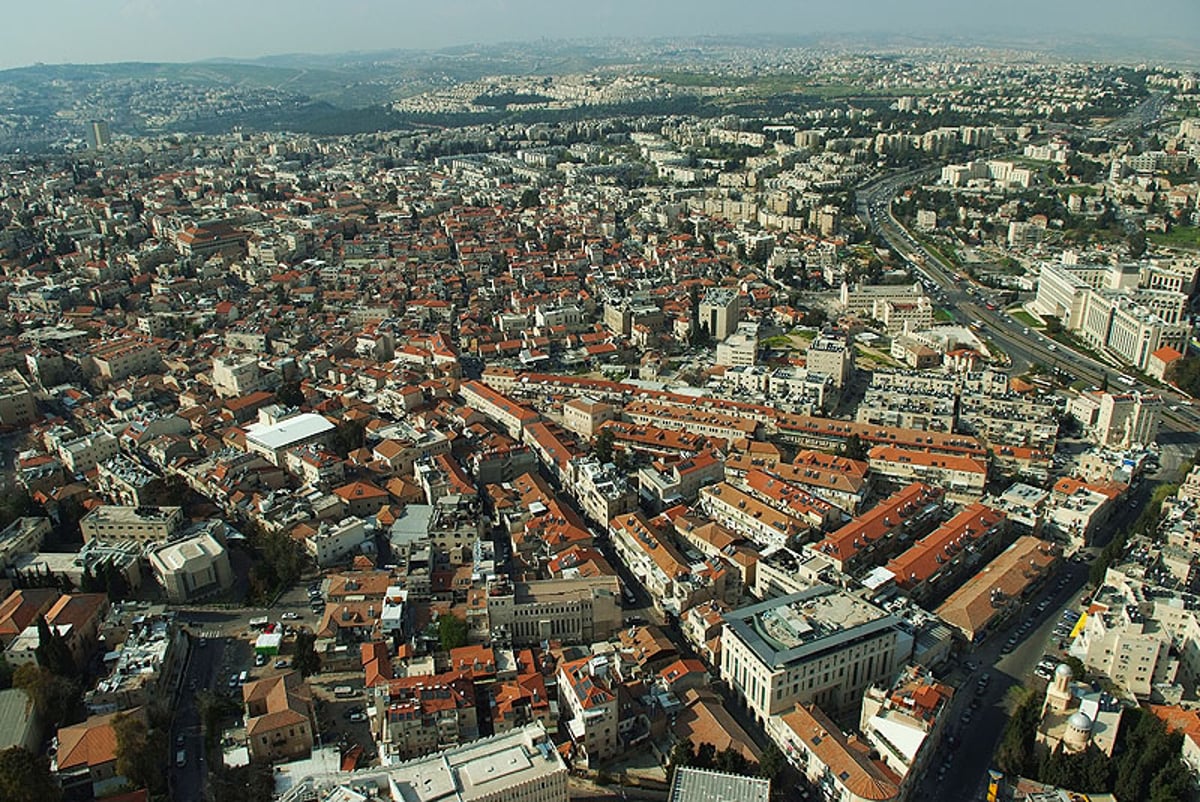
[211, 634]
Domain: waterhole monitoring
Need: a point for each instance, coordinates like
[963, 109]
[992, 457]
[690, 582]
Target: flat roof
[802, 624]
[295, 429]
[701, 785]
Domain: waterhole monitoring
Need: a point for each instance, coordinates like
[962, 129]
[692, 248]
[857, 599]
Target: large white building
[271, 440]
[192, 568]
[1124, 310]
[521, 765]
[821, 646]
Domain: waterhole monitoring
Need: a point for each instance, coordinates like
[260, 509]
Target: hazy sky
[84, 31]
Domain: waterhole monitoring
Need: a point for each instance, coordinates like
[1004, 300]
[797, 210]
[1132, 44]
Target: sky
[91, 31]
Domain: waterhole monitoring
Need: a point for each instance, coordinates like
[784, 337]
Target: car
[181, 758]
[966, 717]
[202, 642]
[1043, 673]
[357, 717]
[260, 660]
[985, 678]
[179, 740]
[290, 616]
[1042, 606]
[192, 684]
[976, 703]
[233, 680]
[1052, 347]
[282, 663]
[971, 665]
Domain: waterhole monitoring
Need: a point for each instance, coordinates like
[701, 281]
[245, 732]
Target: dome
[1080, 721]
[1063, 670]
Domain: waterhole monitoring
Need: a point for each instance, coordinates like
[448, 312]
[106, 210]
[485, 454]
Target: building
[86, 761]
[739, 349]
[963, 478]
[939, 560]
[193, 568]
[702, 785]
[720, 311]
[584, 416]
[280, 720]
[522, 765]
[821, 646]
[832, 353]
[271, 440]
[419, 715]
[20, 724]
[1074, 716]
[580, 610]
[142, 524]
[600, 489]
[588, 698]
[17, 405]
[1118, 420]
[1000, 589]
[332, 544]
[22, 536]
[839, 767]
[234, 375]
[903, 722]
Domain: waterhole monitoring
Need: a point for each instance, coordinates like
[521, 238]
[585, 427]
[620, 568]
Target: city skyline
[149, 30]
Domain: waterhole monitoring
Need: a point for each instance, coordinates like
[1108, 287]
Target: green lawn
[1177, 237]
[944, 315]
[1025, 317]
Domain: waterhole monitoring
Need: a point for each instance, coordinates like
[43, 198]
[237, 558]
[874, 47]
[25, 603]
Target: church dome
[1080, 721]
[1063, 670]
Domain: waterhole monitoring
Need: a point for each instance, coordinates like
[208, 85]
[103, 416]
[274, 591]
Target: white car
[290, 616]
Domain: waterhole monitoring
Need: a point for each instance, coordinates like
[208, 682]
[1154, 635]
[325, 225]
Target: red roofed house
[584, 688]
[1160, 362]
[280, 721]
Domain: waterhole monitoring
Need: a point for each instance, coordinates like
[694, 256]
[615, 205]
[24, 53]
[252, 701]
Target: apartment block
[143, 524]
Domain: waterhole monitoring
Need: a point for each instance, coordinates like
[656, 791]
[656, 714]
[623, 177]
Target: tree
[55, 698]
[732, 761]
[52, 651]
[771, 762]
[350, 435]
[306, 659]
[253, 782]
[6, 674]
[682, 754]
[602, 447]
[854, 448]
[141, 752]
[25, 777]
[452, 631]
[530, 198]
[1015, 753]
[706, 756]
[289, 394]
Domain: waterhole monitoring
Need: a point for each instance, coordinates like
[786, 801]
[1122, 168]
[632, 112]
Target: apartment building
[600, 489]
[588, 697]
[584, 416]
[664, 484]
[143, 524]
[1001, 589]
[234, 375]
[647, 547]
[757, 520]
[832, 353]
[838, 480]
[903, 721]
[933, 565]
[22, 536]
[838, 767]
[963, 478]
[119, 359]
[782, 572]
[335, 543]
[720, 311]
[820, 646]
[74, 616]
[1118, 420]
[423, 714]
[880, 532]
[739, 349]
[691, 419]
[864, 300]
[82, 454]
[510, 415]
[17, 404]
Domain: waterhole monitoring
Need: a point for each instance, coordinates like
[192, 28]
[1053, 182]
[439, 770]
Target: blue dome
[1080, 721]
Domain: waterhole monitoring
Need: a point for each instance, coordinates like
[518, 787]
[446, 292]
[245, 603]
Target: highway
[963, 298]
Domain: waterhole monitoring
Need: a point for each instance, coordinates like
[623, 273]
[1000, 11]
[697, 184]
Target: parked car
[282, 663]
[260, 660]
[290, 616]
[357, 717]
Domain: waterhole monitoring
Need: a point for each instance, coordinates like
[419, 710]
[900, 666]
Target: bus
[259, 623]
[1128, 380]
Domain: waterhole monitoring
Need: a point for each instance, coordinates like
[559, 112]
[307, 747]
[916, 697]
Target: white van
[343, 691]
